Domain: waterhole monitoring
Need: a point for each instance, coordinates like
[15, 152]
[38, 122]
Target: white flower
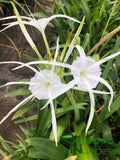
[87, 74]
[40, 24]
[45, 84]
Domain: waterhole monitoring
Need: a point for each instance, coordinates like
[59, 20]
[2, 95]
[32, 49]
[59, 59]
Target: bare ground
[9, 129]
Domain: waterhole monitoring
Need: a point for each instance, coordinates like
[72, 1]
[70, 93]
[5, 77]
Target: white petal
[94, 91]
[111, 91]
[81, 65]
[81, 51]
[16, 107]
[64, 88]
[47, 62]
[12, 17]
[56, 53]
[12, 83]
[105, 59]
[92, 107]
[11, 62]
[45, 105]
[5, 18]
[47, 20]
[10, 25]
[54, 125]
[16, 62]
[70, 49]
[91, 111]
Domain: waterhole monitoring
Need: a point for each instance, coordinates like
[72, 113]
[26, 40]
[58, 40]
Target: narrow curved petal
[92, 107]
[16, 62]
[93, 91]
[47, 62]
[12, 17]
[65, 88]
[104, 60]
[12, 83]
[61, 91]
[45, 105]
[64, 16]
[111, 91]
[91, 111]
[16, 107]
[70, 49]
[47, 20]
[108, 57]
[12, 62]
[9, 25]
[56, 53]
[54, 125]
[81, 51]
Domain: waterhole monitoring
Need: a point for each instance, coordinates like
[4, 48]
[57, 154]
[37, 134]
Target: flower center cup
[82, 73]
[47, 84]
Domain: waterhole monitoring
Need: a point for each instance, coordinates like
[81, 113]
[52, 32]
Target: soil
[8, 129]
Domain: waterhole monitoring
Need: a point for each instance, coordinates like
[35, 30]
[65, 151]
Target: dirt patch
[9, 129]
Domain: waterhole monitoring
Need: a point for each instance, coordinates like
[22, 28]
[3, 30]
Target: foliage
[101, 18]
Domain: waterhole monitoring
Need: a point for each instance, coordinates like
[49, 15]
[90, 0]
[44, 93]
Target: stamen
[20, 55]
[22, 10]
[100, 109]
[35, 6]
[1, 10]
[47, 84]
[70, 34]
[7, 89]
[82, 73]
[12, 118]
[6, 157]
[51, 56]
[71, 96]
[118, 64]
[14, 12]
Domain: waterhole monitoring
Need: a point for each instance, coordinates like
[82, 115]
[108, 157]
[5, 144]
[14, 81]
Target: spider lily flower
[40, 24]
[87, 74]
[45, 84]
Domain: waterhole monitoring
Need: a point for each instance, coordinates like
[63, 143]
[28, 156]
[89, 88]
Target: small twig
[104, 39]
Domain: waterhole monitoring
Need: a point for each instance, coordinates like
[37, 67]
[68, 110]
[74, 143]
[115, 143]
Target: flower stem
[84, 150]
[104, 39]
[74, 104]
[46, 43]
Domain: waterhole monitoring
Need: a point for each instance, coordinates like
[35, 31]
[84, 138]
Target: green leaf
[43, 120]
[24, 158]
[40, 14]
[26, 119]
[65, 102]
[24, 109]
[28, 132]
[6, 146]
[46, 149]
[18, 92]
[66, 109]
[106, 131]
[114, 107]
[62, 124]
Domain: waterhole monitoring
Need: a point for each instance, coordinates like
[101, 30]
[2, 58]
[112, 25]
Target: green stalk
[46, 42]
[74, 104]
[74, 39]
[25, 32]
[84, 152]
[109, 19]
